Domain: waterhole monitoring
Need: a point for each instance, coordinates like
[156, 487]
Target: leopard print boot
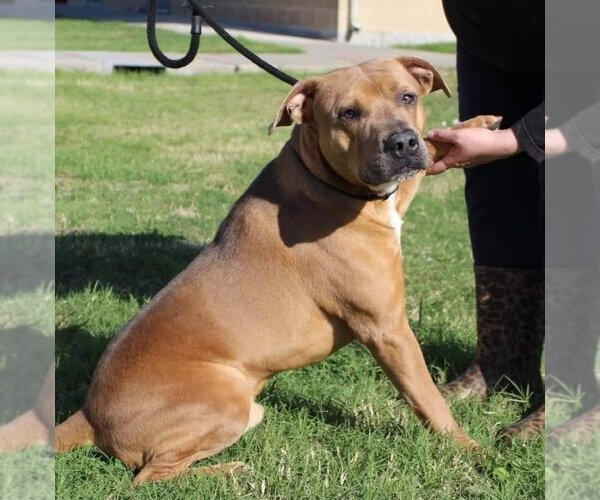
[510, 334]
[579, 429]
[572, 319]
[529, 427]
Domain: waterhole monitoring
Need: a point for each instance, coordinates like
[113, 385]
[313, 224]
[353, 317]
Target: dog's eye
[350, 114]
[408, 98]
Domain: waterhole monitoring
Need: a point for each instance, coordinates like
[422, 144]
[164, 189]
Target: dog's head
[367, 119]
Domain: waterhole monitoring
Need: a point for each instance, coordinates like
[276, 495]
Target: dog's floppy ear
[428, 77]
[297, 106]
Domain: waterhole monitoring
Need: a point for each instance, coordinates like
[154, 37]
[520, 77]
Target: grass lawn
[443, 47]
[26, 268]
[147, 167]
[75, 34]
[26, 34]
[571, 471]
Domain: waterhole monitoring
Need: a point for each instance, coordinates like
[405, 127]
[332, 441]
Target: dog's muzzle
[401, 155]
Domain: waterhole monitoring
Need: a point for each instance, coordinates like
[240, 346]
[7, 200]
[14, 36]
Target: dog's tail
[24, 431]
[73, 432]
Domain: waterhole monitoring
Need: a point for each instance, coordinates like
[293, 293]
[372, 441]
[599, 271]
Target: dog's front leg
[399, 354]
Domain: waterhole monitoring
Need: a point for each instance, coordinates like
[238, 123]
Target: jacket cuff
[578, 143]
[527, 142]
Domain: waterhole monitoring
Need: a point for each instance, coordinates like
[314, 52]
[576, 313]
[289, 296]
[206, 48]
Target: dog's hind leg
[184, 450]
[171, 465]
[204, 422]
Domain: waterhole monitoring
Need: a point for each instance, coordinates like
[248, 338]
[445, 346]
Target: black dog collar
[359, 196]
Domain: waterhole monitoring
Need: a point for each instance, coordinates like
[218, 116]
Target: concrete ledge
[30, 60]
[318, 60]
[386, 39]
[105, 62]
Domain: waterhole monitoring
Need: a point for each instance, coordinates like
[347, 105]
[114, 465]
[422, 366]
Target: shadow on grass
[25, 354]
[77, 352]
[328, 410]
[26, 265]
[449, 355]
[137, 265]
[26, 262]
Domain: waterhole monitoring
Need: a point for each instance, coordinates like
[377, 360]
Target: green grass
[442, 47]
[26, 267]
[74, 34]
[147, 167]
[571, 470]
[26, 34]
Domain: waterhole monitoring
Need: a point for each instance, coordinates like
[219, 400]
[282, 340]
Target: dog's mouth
[407, 173]
[382, 170]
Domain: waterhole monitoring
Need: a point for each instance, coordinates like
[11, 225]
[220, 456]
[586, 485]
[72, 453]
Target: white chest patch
[395, 219]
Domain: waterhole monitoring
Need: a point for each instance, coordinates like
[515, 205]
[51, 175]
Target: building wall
[375, 22]
[317, 18]
[76, 3]
[403, 15]
[383, 22]
[379, 22]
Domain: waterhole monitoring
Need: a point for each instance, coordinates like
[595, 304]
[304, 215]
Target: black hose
[199, 13]
[248, 54]
[162, 58]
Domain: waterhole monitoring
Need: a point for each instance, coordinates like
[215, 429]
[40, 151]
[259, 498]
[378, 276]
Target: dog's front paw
[466, 443]
[490, 122]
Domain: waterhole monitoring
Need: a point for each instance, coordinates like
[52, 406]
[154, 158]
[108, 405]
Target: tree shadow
[131, 265]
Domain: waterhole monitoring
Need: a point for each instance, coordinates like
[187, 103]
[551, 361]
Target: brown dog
[307, 260]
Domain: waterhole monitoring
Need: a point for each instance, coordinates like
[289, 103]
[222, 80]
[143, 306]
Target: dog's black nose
[405, 143]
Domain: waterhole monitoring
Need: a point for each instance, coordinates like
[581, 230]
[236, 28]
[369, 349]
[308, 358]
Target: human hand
[555, 143]
[472, 147]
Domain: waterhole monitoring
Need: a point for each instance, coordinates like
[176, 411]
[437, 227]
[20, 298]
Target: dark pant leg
[505, 205]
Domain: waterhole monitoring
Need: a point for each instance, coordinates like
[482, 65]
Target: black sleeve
[582, 133]
[529, 131]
